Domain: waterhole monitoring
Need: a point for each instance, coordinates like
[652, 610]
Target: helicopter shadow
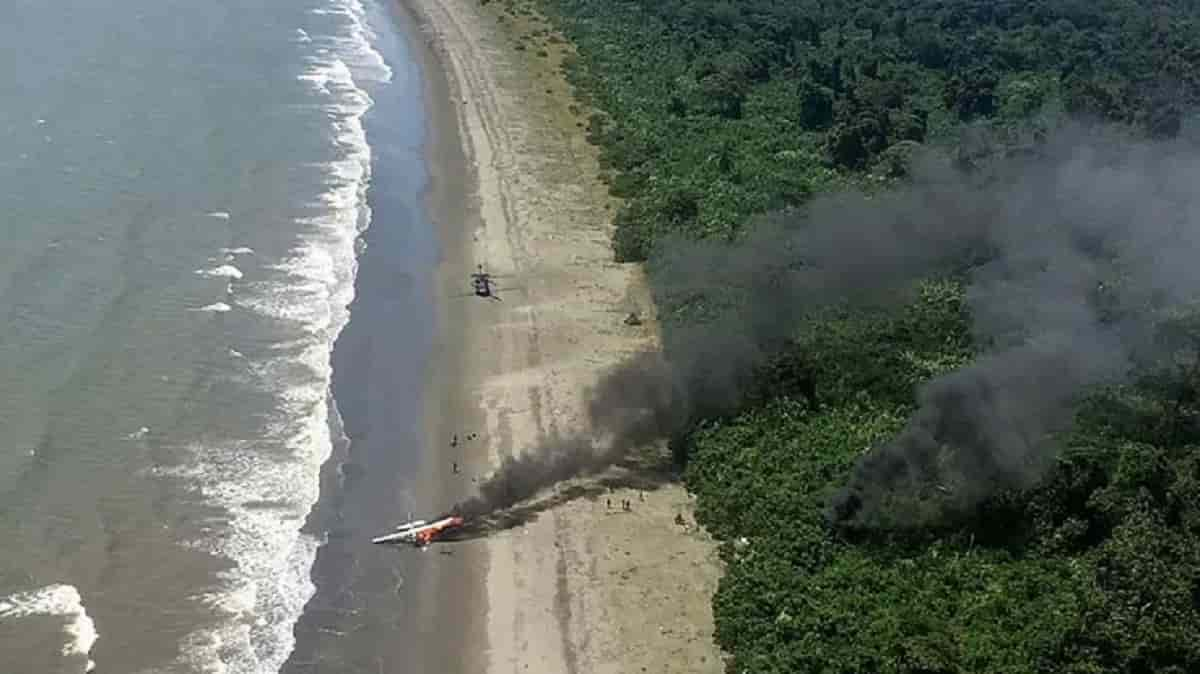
[491, 296]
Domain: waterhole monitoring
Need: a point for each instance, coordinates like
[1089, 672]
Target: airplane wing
[399, 537]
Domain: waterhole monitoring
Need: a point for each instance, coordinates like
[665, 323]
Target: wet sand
[584, 587]
[396, 365]
[452, 599]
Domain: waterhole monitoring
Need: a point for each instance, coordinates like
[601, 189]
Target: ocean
[183, 187]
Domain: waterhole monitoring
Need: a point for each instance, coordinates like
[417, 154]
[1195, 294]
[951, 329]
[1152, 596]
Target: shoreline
[381, 359]
[514, 185]
[453, 593]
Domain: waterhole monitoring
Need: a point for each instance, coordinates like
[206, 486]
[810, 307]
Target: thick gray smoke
[1075, 250]
[631, 407]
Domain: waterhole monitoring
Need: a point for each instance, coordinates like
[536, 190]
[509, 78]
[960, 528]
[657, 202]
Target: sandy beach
[587, 586]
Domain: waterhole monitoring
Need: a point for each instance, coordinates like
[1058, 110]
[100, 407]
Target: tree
[816, 105]
[726, 83]
[972, 94]
[851, 144]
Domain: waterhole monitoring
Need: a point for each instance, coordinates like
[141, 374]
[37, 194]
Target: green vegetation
[712, 111]
[1097, 570]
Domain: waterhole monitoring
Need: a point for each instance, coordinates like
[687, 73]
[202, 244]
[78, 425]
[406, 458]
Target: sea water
[182, 188]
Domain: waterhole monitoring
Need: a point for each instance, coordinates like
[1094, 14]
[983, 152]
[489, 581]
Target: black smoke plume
[1073, 249]
[630, 407]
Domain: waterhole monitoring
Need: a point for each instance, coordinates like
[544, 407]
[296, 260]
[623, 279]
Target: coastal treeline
[711, 112]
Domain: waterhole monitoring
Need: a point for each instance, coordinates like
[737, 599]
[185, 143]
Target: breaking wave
[268, 484]
[59, 601]
[224, 271]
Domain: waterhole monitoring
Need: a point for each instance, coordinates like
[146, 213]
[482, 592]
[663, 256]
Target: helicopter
[483, 284]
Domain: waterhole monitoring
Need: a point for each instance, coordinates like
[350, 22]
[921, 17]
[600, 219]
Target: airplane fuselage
[419, 533]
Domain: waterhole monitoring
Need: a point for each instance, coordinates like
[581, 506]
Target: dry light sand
[582, 588]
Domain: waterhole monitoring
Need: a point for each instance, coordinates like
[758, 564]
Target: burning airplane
[420, 533]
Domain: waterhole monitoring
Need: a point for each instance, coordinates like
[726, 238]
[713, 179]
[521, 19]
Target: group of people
[626, 504]
[454, 438]
[454, 443]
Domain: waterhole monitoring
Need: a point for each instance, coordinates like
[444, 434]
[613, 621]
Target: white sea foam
[138, 434]
[215, 307]
[57, 600]
[241, 250]
[353, 42]
[268, 484]
[223, 271]
[302, 36]
[222, 215]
